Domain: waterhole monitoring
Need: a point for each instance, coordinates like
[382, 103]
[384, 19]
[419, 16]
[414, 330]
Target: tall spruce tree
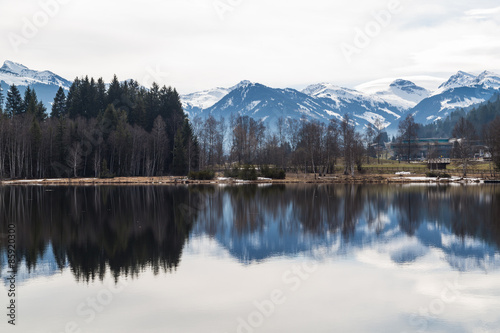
[59, 105]
[114, 93]
[32, 106]
[14, 102]
[191, 147]
[1, 101]
[179, 165]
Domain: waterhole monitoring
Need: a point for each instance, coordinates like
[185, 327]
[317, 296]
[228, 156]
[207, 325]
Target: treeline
[479, 127]
[479, 117]
[124, 129]
[293, 145]
[98, 131]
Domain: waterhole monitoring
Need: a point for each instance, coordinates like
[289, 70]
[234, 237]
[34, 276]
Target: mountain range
[386, 102]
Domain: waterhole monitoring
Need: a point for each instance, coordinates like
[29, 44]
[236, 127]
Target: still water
[294, 258]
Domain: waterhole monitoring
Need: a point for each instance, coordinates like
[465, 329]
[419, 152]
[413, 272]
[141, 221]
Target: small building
[438, 163]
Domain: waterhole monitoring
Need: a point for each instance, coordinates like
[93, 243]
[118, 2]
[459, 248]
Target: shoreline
[307, 179]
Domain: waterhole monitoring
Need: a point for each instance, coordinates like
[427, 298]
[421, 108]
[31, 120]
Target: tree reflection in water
[131, 228]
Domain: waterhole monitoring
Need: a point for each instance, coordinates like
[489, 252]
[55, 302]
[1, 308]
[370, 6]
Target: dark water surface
[294, 258]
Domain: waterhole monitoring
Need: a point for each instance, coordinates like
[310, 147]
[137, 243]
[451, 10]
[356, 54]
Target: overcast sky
[200, 44]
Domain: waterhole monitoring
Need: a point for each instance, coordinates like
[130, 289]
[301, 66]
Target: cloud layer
[200, 44]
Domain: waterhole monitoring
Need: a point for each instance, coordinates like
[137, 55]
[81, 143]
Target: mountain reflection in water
[132, 228]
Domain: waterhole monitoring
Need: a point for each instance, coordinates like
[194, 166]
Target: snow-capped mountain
[461, 79]
[387, 100]
[461, 91]
[45, 83]
[319, 102]
[269, 104]
[364, 108]
[403, 94]
[198, 101]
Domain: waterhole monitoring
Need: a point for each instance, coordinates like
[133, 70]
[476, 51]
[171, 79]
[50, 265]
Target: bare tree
[348, 142]
[464, 133]
[160, 145]
[370, 134]
[408, 133]
[248, 135]
[311, 139]
[492, 138]
[75, 157]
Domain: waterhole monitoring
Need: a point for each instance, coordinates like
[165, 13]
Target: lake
[248, 258]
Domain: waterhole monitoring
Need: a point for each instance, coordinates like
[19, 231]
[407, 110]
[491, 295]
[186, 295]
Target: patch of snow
[445, 104]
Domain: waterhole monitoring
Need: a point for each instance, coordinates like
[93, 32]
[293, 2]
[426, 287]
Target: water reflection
[128, 229]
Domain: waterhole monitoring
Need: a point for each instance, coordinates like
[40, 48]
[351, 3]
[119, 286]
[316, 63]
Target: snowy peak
[204, 99]
[407, 86]
[331, 91]
[244, 83]
[13, 67]
[485, 80]
[200, 100]
[404, 93]
[461, 79]
[488, 80]
[14, 73]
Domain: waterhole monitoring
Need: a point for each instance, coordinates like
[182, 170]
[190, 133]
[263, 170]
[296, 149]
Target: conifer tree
[1, 101]
[114, 93]
[179, 167]
[14, 104]
[191, 147]
[59, 105]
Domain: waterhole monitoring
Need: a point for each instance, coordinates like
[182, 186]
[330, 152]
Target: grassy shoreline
[291, 179]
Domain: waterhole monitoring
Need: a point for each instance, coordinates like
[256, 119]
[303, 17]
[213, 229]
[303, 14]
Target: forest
[96, 131]
[126, 130]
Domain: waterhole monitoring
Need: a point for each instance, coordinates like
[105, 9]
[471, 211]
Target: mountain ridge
[387, 102]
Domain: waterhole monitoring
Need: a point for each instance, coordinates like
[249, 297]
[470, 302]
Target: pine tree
[40, 111]
[100, 96]
[14, 104]
[191, 147]
[32, 106]
[59, 105]
[114, 93]
[110, 117]
[1, 101]
[36, 143]
[30, 101]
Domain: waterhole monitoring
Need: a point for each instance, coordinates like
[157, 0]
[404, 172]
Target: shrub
[105, 171]
[437, 174]
[202, 175]
[274, 173]
[232, 173]
[247, 173]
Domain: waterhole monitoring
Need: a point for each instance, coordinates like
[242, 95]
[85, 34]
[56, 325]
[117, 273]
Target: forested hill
[121, 130]
[479, 117]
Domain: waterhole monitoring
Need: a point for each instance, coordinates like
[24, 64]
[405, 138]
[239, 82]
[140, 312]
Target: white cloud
[279, 43]
[483, 13]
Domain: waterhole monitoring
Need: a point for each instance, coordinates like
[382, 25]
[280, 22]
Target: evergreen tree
[114, 93]
[14, 104]
[59, 105]
[30, 101]
[110, 117]
[100, 96]
[179, 165]
[73, 100]
[1, 101]
[191, 147]
[32, 106]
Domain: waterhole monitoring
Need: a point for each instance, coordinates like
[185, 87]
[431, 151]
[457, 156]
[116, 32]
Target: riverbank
[291, 179]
